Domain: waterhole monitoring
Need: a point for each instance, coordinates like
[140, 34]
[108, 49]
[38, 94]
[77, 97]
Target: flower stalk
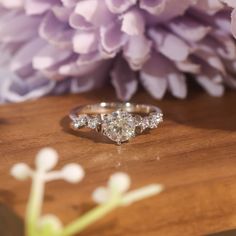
[110, 197]
[91, 217]
[34, 206]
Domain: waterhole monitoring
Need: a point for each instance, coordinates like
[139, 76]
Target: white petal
[169, 45]
[133, 22]
[11, 28]
[94, 11]
[211, 80]
[137, 51]
[100, 195]
[154, 75]
[214, 89]
[178, 86]
[21, 171]
[24, 55]
[112, 38]
[119, 182]
[210, 6]
[49, 56]
[188, 67]
[12, 3]
[46, 159]
[231, 3]
[37, 7]
[73, 173]
[38, 84]
[79, 22]
[124, 80]
[85, 42]
[120, 6]
[154, 7]
[189, 29]
[87, 9]
[73, 69]
[56, 32]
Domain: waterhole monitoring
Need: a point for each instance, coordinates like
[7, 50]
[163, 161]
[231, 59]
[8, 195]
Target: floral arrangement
[114, 195]
[73, 46]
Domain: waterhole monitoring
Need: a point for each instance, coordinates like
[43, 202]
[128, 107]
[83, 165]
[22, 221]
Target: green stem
[35, 204]
[89, 218]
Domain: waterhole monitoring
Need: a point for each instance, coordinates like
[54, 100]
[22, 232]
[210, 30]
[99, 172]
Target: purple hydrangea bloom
[60, 46]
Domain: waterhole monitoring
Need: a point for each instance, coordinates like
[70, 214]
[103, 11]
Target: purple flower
[73, 46]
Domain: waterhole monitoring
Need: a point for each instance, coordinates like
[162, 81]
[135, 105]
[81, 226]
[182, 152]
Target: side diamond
[94, 122]
[79, 122]
[138, 120]
[155, 119]
[145, 123]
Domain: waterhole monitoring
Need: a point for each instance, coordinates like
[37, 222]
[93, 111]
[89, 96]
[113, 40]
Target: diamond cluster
[149, 122]
[91, 122]
[119, 126]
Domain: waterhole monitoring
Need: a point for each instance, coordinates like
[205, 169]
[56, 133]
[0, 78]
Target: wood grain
[193, 154]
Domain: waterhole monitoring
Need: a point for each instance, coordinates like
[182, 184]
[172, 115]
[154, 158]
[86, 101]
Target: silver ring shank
[106, 108]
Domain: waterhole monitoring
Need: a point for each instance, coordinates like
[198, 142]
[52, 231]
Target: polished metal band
[106, 108]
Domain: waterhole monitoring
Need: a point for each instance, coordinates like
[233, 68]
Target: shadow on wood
[225, 233]
[10, 223]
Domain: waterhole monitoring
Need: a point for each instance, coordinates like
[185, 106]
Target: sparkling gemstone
[138, 120]
[119, 126]
[94, 122]
[154, 120]
[80, 121]
[145, 123]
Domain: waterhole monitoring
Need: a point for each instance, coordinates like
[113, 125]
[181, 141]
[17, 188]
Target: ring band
[118, 121]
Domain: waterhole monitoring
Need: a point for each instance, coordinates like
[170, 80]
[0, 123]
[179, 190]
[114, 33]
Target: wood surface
[193, 153]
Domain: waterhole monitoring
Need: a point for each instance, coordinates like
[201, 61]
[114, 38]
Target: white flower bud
[120, 182]
[100, 195]
[46, 159]
[21, 171]
[72, 173]
[50, 225]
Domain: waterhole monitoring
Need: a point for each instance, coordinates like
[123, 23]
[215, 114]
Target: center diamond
[119, 126]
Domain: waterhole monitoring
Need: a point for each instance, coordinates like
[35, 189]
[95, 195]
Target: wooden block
[193, 154]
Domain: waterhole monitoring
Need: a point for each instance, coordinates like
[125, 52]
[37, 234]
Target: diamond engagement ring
[118, 121]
